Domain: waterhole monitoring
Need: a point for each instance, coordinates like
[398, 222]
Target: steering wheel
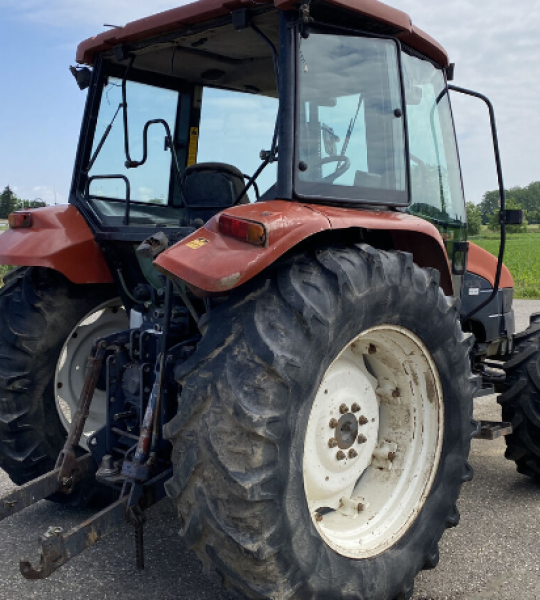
[340, 170]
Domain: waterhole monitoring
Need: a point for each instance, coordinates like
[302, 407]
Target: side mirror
[459, 258]
[82, 76]
[512, 216]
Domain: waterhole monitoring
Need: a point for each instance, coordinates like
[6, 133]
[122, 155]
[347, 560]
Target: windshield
[351, 137]
[436, 187]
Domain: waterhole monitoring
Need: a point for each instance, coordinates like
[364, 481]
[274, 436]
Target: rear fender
[210, 262]
[59, 239]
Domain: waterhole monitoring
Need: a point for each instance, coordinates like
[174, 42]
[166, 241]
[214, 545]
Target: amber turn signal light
[246, 231]
[20, 220]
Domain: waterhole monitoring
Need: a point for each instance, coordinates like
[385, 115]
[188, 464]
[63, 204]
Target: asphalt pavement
[494, 554]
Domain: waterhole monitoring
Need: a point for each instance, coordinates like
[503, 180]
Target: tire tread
[228, 502]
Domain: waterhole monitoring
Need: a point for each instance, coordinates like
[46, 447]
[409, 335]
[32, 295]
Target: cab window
[351, 138]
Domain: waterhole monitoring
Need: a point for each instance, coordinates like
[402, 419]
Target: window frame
[105, 70]
[174, 128]
[382, 199]
[188, 116]
[180, 131]
[449, 145]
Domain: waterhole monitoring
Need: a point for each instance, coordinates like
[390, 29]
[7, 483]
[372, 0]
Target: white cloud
[39, 192]
[496, 46]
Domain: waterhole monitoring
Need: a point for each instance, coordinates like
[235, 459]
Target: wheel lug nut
[333, 423]
[372, 349]
[343, 409]
[360, 507]
[340, 455]
[355, 407]
[332, 443]
[362, 439]
[353, 453]
[362, 420]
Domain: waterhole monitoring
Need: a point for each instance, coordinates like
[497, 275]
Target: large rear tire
[252, 433]
[39, 312]
[521, 401]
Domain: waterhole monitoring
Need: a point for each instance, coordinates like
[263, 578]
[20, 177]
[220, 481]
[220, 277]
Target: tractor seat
[213, 185]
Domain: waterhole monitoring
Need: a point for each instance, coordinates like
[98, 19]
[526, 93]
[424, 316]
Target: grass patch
[522, 257]
[3, 270]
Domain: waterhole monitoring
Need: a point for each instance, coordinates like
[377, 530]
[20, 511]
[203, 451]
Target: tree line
[525, 198]
[9, 203]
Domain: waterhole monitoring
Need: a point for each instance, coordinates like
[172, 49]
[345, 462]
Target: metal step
[491, 430]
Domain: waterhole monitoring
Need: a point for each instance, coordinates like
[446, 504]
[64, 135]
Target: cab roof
[186, 16]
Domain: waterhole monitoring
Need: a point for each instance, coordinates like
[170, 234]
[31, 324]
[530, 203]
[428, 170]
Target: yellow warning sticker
[194, 244]
[193, 145]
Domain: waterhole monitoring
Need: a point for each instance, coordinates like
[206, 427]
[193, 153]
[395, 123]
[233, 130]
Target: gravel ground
[492, 555]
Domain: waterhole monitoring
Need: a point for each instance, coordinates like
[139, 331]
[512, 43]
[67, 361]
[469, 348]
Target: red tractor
[284, 341]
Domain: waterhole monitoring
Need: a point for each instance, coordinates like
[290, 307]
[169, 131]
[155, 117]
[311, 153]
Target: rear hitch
[57, 547]
[130, 450]
[44, 486]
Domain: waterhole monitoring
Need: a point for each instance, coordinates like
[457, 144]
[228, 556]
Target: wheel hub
[71, 366]
[347, 431]
[373, 441]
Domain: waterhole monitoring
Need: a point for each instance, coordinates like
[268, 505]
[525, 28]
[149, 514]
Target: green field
[522, 257]
[3, 270]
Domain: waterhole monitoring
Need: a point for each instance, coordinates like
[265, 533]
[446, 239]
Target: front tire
[521, 401]
[240, 434]
[39, 312]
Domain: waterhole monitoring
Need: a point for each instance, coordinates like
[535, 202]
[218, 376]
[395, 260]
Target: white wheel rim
[71, 366]
[362, 501]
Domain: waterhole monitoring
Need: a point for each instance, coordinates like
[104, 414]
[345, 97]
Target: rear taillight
[20, 220]
[247, 231]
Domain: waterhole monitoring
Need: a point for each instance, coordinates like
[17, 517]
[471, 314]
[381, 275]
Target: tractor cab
[321, 106]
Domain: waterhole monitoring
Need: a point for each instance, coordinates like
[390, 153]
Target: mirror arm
[502, 195]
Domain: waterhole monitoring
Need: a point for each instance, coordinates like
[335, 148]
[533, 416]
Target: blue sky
[495, 45]
[39, 107]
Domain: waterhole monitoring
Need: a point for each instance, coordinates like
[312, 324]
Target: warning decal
[194, 244]
[193, 145]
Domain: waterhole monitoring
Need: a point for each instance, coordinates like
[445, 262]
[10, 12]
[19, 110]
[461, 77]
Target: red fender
[59, 239]
[217, 263]
[482, 263]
